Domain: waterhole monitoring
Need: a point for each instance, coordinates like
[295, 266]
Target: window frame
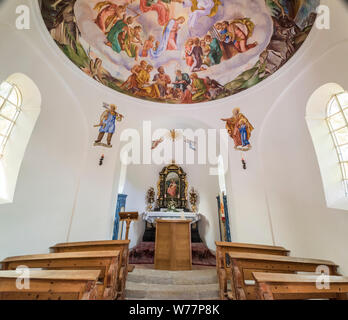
[338, 147]
[13, 155]
[330, 171]
[19, 99]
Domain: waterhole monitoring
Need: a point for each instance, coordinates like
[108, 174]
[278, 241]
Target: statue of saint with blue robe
[239, 128]
[107, 124]
[244, 135]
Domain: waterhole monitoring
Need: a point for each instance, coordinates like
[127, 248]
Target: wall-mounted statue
[107, 125]
[239, 128]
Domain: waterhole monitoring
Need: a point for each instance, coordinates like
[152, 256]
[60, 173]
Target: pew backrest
[271, 286]
[104, 245]
[49, 285]
[244, 264]
[104, 261]
[222, 265]
[224, 247]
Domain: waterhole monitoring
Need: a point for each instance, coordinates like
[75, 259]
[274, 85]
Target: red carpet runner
[144, 253]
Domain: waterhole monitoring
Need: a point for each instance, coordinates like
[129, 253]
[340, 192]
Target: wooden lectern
[128, 217]
[173, 245]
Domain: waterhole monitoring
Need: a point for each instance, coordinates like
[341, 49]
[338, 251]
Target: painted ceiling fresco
[179, 51]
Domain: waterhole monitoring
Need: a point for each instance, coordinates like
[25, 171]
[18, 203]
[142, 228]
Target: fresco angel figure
[239, 129]
[107, 123]
[199, 9]
[239, 36]
[108, 14]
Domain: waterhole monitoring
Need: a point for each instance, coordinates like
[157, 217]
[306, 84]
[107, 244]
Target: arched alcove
[135, 179]
[18, 140]
[316, 115]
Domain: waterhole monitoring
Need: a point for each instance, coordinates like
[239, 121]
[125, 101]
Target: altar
[152, 216]
[172, 212]
[172, 203]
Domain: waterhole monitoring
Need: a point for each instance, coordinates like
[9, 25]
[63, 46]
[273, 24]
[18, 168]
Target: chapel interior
[174, 149]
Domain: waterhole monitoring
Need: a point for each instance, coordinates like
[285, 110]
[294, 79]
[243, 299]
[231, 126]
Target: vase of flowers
[150, 198]
[193, 199]
[172, 206]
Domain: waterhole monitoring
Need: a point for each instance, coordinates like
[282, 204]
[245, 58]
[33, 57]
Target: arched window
[327, 120]
[337, 120]
[20, 105]
[10, 108]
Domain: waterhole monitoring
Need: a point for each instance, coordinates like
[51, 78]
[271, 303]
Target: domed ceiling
[179, 51]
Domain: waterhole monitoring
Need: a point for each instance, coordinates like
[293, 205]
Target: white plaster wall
[278, 199]
[304, 224]
[47, 182]
[301, 220]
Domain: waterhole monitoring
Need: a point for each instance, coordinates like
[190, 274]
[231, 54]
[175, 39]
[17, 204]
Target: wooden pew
[104, 261]
[272, 286]
[244, 264]
[51, 285]
[221, 262]
[122, 245]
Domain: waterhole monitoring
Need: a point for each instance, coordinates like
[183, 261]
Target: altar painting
[172, 185]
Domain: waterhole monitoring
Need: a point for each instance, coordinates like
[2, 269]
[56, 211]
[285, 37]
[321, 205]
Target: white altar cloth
[153, 215]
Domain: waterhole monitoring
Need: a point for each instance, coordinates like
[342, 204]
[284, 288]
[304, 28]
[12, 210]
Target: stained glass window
[337, 120]
[10, 108]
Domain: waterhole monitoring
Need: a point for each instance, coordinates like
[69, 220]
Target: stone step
[144, 291]
[149, 284]
[194, 277]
